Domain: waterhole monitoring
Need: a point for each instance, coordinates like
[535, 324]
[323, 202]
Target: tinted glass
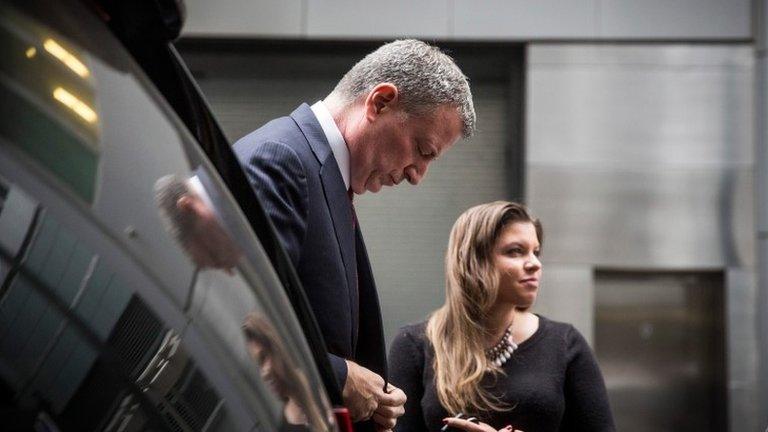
[134, 295]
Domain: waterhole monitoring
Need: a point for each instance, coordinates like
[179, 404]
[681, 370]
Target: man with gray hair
[388, 118]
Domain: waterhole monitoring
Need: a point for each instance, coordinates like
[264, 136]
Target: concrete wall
[640, 157]
[761, 199]
[472, 20]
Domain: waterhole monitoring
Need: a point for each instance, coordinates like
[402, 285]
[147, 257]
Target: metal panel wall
[568, 294]
[664, 19]
[744, 407]
[394, 18]
[640, 157]
[492, 20]
[271, 18]
[660, 341]
[520, 19]
[761, 197]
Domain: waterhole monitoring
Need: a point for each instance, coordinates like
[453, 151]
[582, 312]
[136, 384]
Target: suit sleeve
[276, 173]
[586, 399]
[339, 366]
[406, 368]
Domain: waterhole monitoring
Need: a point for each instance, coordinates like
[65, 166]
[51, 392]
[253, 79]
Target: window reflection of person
[190, 217]
[279, 371]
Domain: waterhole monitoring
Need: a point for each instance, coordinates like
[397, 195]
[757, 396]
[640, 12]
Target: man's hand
[365, 398]
[390, 408]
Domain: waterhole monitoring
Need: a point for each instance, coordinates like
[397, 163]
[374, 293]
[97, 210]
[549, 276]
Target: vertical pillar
[761, 203]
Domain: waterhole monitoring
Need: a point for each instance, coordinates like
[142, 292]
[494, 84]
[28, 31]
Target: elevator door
[659, 338]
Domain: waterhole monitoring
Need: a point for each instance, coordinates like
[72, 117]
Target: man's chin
[373, 186]
[358, 190]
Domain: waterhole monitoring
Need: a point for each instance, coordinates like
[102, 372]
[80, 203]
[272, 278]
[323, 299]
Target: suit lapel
[337, 200]
[310, 127]
[341, 213]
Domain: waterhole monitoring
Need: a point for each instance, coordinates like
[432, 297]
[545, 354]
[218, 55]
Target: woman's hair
[456, 330]
[258, 330]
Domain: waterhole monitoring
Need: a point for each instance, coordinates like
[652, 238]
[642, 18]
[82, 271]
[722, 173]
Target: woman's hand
[475, 427]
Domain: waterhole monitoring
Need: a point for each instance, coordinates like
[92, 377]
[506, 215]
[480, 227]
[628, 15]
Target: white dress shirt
[333, 135]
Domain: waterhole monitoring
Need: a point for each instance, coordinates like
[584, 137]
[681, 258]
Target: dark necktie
[351, 196]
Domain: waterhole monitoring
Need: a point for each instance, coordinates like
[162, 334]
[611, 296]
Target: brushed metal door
[660, 341]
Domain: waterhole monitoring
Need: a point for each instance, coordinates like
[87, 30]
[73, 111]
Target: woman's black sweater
[552, 382]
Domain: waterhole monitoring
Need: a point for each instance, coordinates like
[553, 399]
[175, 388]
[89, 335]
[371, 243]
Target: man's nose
[416, 172]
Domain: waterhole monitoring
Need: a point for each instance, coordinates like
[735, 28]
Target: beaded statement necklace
[502, 351]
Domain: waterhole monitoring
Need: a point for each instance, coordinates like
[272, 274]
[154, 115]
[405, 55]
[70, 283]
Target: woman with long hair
[483, 353]
[284, 377]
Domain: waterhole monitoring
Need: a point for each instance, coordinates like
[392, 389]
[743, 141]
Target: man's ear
[381, 98]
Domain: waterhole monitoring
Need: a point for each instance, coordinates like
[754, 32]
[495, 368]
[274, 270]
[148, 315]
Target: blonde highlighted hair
[456, 330]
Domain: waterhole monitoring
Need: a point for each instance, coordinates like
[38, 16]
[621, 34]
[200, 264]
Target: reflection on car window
[286, 379]
[190, 218]
[78, 340]
[78, 345]
[38, 65]
[108, 320]
[225, 303]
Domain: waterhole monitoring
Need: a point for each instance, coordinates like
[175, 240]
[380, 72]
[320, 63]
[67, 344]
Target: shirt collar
[335, 139]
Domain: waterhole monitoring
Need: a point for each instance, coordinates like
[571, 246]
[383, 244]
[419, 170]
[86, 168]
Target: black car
[143, 286]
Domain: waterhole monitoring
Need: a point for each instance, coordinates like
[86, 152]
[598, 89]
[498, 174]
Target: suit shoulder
[282, 131]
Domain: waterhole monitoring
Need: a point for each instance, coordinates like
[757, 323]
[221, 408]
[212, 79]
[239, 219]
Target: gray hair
[168, 190]
[425, 77]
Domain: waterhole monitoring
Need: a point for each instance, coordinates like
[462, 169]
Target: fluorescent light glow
[66, 57]
[31, 52]
[72, 102]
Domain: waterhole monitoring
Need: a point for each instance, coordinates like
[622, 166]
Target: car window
[162, 63]
[103, 282]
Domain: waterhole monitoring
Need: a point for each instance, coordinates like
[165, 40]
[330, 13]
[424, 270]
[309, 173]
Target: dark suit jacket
[290, 165]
